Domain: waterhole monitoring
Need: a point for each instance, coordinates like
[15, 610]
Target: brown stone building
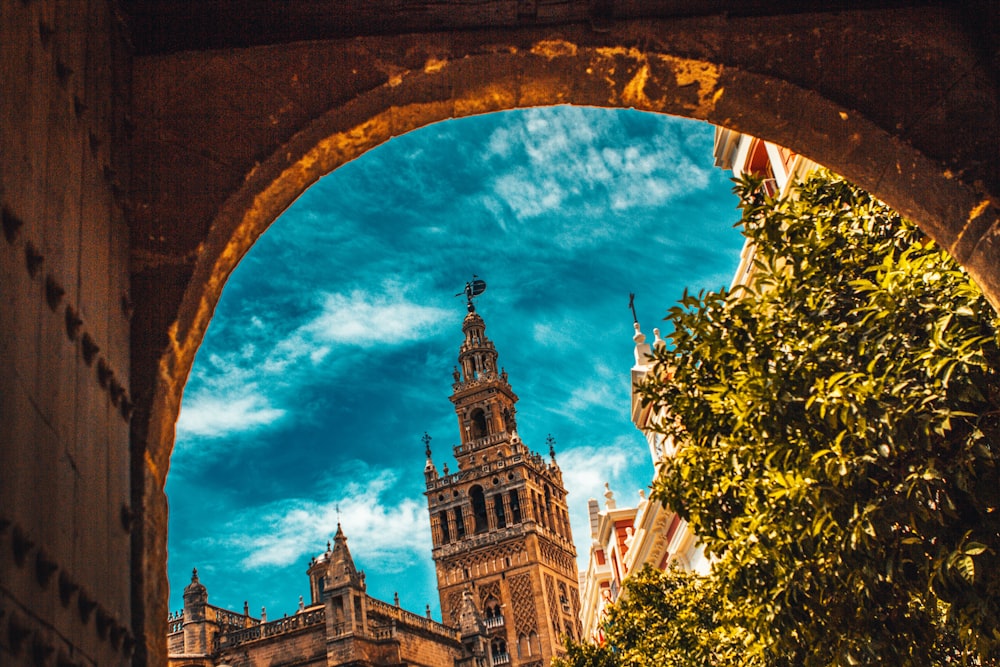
[342, 625]
[506, 564]
[500, 524]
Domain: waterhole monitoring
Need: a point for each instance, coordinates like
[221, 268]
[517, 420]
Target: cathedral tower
[499, 523]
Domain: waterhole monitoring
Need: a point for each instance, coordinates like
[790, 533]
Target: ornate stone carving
[523, 602]
[550, 591]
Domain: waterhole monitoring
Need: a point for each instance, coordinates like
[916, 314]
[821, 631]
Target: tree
[841, 430]
[662, 618]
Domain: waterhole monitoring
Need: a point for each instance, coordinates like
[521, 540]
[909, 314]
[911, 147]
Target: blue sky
[331, 350]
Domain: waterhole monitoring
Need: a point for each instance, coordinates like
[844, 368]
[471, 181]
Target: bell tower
[499, 523]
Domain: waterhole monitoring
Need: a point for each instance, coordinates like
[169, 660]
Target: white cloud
[246, 389]
[366, 320]
[585, 469]
[570, 164]
[216, 416]
[291, 530]
[602, 389]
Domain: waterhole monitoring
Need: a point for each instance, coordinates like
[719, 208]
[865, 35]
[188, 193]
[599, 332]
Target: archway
[646, 66]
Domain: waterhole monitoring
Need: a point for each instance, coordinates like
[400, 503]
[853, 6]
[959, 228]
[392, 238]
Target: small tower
[340, 586]
[500, 524]
[199, 631]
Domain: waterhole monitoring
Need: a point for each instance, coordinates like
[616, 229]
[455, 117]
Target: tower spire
[430, 470]
[505, 502]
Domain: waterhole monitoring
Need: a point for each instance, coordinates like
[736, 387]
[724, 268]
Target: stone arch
[632, 65]
[478, 428]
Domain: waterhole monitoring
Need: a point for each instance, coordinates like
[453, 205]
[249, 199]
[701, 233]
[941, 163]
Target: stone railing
[230, 621]
[493, 622]
[474, 541]
[408, 618]
[274, 628]
[485, 441]
[175, 624]
[501, 658]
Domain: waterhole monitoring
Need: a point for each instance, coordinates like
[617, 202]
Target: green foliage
[840, 421]
[662, 618]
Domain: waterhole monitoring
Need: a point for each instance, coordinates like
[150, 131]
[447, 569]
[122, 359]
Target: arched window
[501, 517]
[498, 649]
[478, 423]
[549, 523]
[445, 533]
[491, 607]
[563, 597]
[459, 523]
[523, 646]
[515, 507]
[479, 508]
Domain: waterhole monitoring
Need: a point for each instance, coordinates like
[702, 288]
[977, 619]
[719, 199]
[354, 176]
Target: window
[478, 423]
[479, 508]
[498, 650]
[501, 517]
[515, 507]
[523, 646]
[459, 523]
[445, 533]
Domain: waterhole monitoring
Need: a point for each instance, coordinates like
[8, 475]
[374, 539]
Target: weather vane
[473, 288]
[631, 305]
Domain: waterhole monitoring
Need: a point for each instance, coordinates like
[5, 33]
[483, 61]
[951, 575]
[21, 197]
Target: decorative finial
[551, 442]
[194, 575]
[609, 497]
[427, 444]
[428, 611]
[631, 305]
[473, 288]
[658, 343]
[395, 598]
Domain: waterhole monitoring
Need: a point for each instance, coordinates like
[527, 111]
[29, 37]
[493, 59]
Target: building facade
[499, 523]
[625, 539]
[341, 626]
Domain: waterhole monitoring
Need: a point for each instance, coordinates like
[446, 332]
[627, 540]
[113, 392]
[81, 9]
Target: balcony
[493, 622]
[501, 659]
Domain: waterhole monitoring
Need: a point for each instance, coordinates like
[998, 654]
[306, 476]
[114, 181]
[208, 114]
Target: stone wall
[65, 401]
[420, 651]
[305, 648]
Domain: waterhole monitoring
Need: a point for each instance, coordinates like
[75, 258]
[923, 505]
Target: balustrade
[278, 627]
[494, 622]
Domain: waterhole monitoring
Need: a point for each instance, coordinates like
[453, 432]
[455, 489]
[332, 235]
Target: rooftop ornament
[473, 288]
